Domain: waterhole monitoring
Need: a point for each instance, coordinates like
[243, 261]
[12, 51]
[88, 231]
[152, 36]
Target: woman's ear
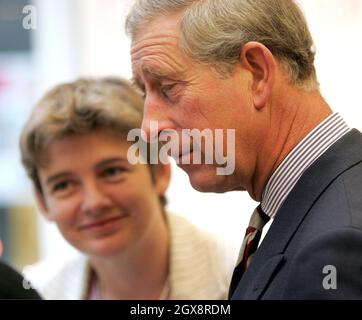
[260, 62]
[40, 200]
[162, 178]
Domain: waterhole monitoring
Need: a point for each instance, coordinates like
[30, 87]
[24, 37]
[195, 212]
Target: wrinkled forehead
[165, 25]
[156, 52]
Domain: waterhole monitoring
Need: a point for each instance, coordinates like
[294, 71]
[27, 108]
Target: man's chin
[205, 179]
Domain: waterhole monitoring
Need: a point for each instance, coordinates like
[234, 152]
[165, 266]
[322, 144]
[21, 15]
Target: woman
[74, 149]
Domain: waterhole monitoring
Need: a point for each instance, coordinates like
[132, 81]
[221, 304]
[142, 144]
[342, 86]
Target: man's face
[101, 203]
[181, 93]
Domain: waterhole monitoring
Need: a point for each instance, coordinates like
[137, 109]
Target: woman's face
[102, 204]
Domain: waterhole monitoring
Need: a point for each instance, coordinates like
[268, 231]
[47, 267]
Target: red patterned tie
[250, 245]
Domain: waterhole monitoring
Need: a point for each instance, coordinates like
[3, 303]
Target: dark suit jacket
[313, 249]
[12, 286]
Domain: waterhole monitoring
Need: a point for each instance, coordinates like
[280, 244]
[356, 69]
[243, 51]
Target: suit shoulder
[337, 250]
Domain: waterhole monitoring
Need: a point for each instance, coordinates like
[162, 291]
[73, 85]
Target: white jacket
[200, 268]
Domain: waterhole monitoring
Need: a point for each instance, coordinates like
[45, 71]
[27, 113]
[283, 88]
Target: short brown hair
[79, 107]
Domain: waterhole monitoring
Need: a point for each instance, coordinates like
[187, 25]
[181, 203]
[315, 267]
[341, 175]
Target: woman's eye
[113, 173]
[61, 186]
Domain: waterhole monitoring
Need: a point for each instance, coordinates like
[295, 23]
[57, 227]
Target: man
[249, 66]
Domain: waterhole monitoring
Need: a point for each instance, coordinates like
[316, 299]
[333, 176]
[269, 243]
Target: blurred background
[45, 42]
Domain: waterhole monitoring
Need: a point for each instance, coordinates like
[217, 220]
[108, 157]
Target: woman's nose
[95, 199]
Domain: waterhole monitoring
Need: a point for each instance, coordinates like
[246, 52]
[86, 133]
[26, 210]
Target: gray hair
[214, 31]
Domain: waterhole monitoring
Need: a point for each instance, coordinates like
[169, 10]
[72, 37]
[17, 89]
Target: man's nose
[95, 199]
[156, 119]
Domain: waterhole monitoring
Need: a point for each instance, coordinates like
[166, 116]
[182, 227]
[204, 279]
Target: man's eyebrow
[156, 74]
[162, 74]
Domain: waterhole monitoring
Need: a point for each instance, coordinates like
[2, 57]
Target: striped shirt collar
[299, 159]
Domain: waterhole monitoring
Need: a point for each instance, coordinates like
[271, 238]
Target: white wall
[100, 47]
[336, 26]
[56, 59]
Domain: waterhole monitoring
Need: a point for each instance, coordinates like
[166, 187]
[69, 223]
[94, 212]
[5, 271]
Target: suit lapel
[253, 284]
[343, 155]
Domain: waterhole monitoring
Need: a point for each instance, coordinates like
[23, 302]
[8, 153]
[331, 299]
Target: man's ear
[258, 59]
[40, 200]
[162, 178]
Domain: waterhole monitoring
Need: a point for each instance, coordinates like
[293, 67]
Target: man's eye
[167, 90]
